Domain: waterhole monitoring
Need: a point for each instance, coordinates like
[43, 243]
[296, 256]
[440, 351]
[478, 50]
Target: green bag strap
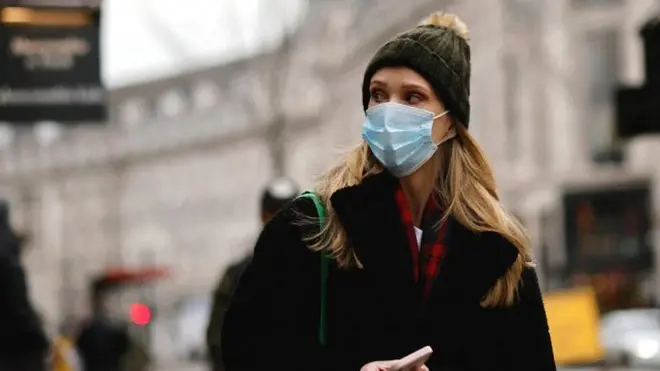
[320, 210]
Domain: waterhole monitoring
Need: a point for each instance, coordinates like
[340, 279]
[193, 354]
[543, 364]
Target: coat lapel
[370, 215]
[371, 218]
[474, 262]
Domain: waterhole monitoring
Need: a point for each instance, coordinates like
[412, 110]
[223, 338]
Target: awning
[120, 276]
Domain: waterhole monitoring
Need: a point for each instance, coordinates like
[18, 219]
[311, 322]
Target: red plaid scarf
[426, 258]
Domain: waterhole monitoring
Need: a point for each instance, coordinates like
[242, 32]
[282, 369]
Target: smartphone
[412, 360]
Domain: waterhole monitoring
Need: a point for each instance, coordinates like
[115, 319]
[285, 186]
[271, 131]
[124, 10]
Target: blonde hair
[465, 188]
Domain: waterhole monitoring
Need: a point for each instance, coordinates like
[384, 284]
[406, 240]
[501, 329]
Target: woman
[422, 251]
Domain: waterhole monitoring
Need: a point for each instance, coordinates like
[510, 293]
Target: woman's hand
[386, 365]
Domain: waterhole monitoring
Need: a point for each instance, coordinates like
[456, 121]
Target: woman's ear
[443, 126]
[443, 131]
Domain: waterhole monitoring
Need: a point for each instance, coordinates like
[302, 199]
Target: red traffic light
[140, 314]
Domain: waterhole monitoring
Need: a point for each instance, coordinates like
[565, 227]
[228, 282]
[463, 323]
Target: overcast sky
[146, 39]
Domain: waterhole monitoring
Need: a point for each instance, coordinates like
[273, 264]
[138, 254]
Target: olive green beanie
[438, 50]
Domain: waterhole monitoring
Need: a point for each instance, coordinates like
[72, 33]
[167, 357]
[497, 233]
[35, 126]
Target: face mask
[400, 136]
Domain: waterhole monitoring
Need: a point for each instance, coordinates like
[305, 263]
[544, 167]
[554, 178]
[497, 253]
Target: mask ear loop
[440, 115]
[451, 133]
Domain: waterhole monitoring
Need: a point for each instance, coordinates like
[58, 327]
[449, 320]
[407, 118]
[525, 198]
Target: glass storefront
[608, 245]
[618, 289]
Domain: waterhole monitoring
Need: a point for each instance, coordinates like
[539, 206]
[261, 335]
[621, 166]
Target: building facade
[577, 54]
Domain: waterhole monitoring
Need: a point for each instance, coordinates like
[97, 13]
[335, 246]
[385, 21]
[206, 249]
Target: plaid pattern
[426, 258]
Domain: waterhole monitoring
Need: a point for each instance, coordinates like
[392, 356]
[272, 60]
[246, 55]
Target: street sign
[637, 111]
[50, 65]
[638, 108]
[651, 37]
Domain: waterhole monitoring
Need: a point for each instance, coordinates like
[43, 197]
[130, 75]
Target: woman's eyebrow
[412, 85]
[377, 83]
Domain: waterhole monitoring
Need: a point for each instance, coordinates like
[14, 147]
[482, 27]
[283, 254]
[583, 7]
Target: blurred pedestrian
[103, 343]
[275, 196]
[23, 342]
[403, 244]
[137, 357]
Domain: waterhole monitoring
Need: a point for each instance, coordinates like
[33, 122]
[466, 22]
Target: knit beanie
[438, 50]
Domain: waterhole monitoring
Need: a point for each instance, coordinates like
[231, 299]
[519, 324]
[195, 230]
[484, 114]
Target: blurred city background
[136, 138]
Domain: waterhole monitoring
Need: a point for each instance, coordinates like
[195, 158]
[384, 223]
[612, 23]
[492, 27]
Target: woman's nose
[396, 99]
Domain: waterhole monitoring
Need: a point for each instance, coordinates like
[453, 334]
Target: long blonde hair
[465, 188]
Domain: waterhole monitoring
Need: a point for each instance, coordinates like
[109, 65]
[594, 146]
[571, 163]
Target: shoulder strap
[320, 210]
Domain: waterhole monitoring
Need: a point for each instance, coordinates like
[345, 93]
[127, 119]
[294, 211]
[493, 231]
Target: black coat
[102, 344]
[221, 299]
[23, 343]
[272, 322]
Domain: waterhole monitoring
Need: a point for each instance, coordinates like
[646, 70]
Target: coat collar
[371, 218]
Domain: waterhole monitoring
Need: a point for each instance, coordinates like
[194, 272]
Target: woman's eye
[415, 98]
[378, 96]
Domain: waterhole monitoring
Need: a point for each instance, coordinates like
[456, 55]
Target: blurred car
[631, 337]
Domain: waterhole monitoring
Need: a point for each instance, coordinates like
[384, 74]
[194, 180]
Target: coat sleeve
[535, 347]
[271, 320]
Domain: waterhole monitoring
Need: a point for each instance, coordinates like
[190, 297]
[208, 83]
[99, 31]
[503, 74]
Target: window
[511, 93]
[206, 95]
[132, 112]
[253, 93]
[602, 50]
[171, 104]
[7, 134]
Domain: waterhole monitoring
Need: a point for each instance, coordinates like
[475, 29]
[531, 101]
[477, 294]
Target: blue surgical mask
[400, 136]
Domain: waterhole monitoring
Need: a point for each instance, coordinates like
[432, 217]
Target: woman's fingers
[386, 365]
[378, 366]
